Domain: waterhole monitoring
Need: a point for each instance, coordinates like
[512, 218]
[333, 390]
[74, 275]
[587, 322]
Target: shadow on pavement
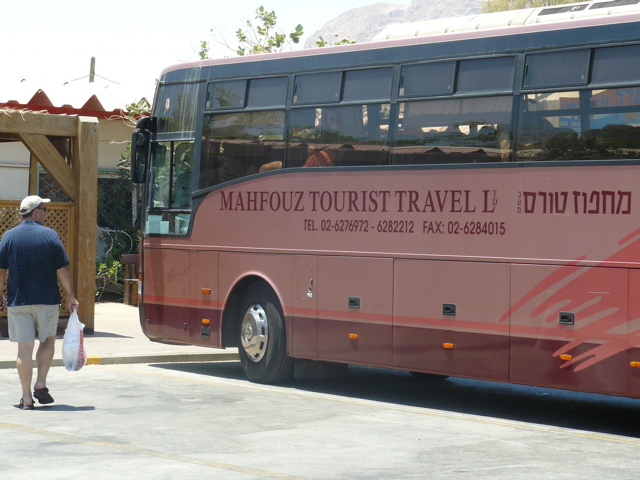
[107, 335]
[541, 406]
[61, 408]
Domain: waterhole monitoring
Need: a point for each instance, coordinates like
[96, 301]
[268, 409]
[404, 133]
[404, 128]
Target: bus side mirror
[140, 148]
[140, 141]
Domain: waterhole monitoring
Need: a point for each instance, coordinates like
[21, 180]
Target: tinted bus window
[616, 64]
[267, 92]
[354, 135]
[428, 79]
[374, 84]
[175, 108]
[318, 88]
[487, 74]
[557, 69]
[587, 125]
[235, 145]
[461, 130]
[229, 94]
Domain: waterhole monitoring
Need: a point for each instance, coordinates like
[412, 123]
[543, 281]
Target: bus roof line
[440, 38]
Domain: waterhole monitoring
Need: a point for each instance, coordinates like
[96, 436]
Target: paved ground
[118, 338]
[149, 411]
[205, 420]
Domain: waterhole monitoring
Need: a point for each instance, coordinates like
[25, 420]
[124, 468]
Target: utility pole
[92, 70]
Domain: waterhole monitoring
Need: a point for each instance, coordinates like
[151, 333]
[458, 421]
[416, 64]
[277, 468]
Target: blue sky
[51, 42]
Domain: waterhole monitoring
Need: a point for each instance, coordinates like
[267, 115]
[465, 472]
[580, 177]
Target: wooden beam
[17, 121]
[33, 175]
[85, 166]
[52, 162]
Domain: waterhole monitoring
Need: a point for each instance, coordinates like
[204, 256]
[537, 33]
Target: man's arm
[65, 279]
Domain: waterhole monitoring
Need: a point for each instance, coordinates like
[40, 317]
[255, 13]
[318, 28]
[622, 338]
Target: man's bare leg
[24, 363]
[44, 358]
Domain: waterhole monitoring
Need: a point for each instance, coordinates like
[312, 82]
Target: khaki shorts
[25, 320]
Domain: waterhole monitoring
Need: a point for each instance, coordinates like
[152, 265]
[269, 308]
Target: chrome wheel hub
[254, 333]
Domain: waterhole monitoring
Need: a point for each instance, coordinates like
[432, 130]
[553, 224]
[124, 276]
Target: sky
[47, 43]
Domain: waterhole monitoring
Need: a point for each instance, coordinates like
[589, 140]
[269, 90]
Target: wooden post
[85, 166]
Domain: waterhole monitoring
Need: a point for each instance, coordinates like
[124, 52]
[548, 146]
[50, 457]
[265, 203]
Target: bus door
[354, 310]
[569, 327]
[447, 318]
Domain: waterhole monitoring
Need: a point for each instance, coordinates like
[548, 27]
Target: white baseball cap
[30, 203]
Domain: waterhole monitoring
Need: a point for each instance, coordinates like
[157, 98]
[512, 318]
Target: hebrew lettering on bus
[604, 202]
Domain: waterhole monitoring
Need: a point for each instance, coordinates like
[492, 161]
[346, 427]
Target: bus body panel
[568, 327]
[302, 324]
[447, 318]
[355, 301]
[186, 301]
[167, 307]
[633, 335]
[205, 326]
[503, 214]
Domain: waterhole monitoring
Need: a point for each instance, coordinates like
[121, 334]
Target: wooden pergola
[67, 148]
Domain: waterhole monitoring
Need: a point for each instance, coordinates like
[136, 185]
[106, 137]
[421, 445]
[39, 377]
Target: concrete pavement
[119, 339]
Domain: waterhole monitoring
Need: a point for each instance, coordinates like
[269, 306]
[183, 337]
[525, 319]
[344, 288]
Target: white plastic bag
[73, 353]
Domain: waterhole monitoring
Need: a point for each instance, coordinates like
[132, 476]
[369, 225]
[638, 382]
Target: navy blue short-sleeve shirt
[33, 253]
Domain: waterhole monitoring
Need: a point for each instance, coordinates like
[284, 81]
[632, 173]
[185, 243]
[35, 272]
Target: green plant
[265, 37]
[203, 53]
[262, 37]
[321, 42]
[110, 272]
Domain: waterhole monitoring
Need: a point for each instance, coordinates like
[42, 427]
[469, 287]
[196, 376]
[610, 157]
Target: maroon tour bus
[462, 201]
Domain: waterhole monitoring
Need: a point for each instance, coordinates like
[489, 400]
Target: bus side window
[183, 161]
[238, 144]
[467, 130]
[573, 125]
[353, 135]
[579, 125]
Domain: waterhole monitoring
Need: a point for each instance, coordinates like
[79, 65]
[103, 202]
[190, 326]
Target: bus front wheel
[262, 346]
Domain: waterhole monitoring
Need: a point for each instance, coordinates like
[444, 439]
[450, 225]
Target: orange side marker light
[205, 291]
[448, 345]
[353, 336]
[566, 357]
[205, 321]
[635, 364]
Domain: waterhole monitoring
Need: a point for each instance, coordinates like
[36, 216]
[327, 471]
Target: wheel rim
[254, 333]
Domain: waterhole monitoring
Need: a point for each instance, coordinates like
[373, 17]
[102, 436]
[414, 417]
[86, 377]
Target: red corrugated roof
[100, 99]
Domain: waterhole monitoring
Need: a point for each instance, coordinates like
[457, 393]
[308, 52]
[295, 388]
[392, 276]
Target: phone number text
[406, 226]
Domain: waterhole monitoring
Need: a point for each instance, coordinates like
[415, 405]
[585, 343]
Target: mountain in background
[363, 23]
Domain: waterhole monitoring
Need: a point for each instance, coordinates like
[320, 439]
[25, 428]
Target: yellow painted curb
[94, 360]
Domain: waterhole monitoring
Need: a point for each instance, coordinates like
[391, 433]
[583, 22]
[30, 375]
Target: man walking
[36, 259]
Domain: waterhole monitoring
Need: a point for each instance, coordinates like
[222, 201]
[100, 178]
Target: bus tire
[262, 345]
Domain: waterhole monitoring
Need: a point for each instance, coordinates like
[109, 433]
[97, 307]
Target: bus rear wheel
[262, 346]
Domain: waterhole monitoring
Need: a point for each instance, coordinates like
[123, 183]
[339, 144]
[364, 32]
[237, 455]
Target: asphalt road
[206, 421]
